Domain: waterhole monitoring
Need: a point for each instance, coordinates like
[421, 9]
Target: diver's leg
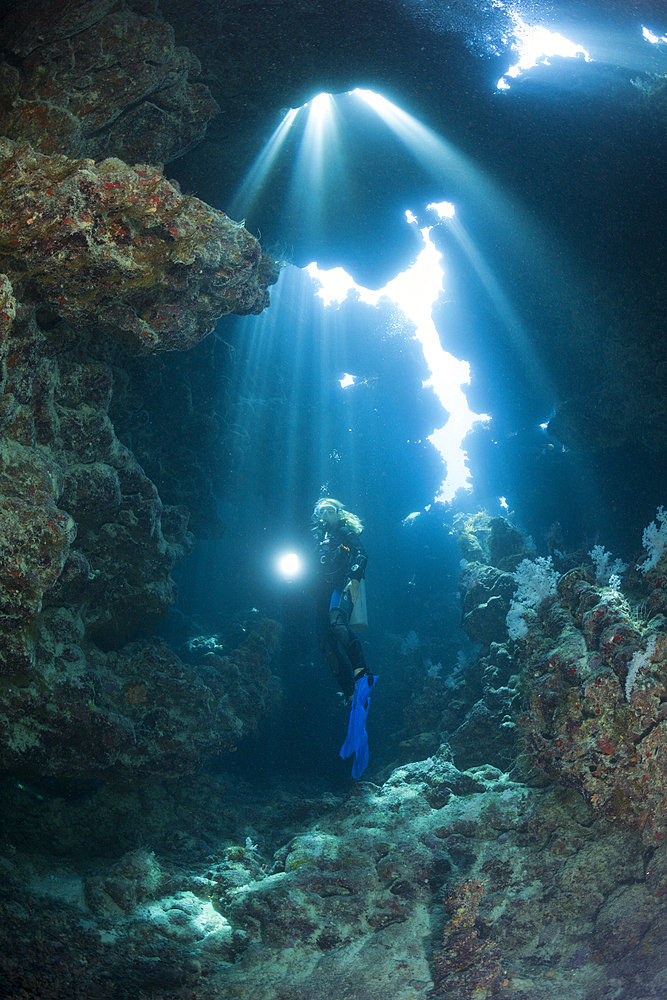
[338, 664]
[333, 654]
[356, 741]
[360, 681]
[347, 639]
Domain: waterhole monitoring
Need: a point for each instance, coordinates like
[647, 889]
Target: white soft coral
[536, 583]
[638, 663]
[654, 541]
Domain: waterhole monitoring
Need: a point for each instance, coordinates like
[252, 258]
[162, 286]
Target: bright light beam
[536, 44]
[501, 303]
[446, 164]
[258, 174]
[319, 159]
[289, 566]
[316, 159]
[434, 153]
[414, 291]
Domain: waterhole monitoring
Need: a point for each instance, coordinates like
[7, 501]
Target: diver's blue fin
[356, 741]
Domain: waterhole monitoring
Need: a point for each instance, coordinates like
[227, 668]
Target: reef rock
[64, 476]
[440, 883]
[101, 259]
[99, 79]
[588, 726]
[77, 712]
[121, 246]
[86, 551]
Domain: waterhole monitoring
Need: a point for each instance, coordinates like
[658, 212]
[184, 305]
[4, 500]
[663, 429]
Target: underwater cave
[333, 541]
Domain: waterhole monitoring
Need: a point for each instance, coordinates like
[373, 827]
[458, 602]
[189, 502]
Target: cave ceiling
[576, 147]
[568, 140]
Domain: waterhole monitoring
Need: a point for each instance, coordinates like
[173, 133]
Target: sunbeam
[317, 185]
[455, 172]
[414, 291]
[256, 177]
[502, 305]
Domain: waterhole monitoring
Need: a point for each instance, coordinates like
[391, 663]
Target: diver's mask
[323, 513]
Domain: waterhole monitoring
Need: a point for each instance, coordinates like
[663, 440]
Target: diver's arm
[359, 558]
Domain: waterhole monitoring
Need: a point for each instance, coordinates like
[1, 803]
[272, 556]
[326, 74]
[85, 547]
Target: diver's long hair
[349, 519]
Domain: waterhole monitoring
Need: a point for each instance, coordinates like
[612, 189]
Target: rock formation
[101, 260]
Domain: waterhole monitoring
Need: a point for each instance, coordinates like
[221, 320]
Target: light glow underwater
[318, 174]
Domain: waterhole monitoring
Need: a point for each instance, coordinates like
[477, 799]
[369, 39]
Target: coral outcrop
[86, 551]
[120, 246]
[102, 259]
[101, 79]
[65, 477]
[81, 713]
[580, 726]
[92, 252]
[440, 883]
[583, 721]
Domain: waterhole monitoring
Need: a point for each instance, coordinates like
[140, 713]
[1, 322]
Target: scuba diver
[340, 571]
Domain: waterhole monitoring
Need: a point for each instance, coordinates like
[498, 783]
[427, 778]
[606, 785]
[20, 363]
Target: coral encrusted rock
[440, 884]
[120, 246]
[77, 712]
[86, 550]
[35, 540]
[65, 475]
[98, 79]
[100, 260]
[584, 725]
[97, 258]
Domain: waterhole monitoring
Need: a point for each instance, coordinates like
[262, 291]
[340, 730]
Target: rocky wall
[85, 559]
[121, 247]
[102, 259]
[172, 411]
[583, 692]
[102, 78]
[585, 724]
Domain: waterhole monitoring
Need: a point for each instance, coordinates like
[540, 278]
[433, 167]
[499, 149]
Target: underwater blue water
[547, 247]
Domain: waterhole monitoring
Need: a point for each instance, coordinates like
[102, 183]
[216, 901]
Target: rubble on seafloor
[439, 883]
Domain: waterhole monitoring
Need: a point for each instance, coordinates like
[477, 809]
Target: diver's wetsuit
[340, 558]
